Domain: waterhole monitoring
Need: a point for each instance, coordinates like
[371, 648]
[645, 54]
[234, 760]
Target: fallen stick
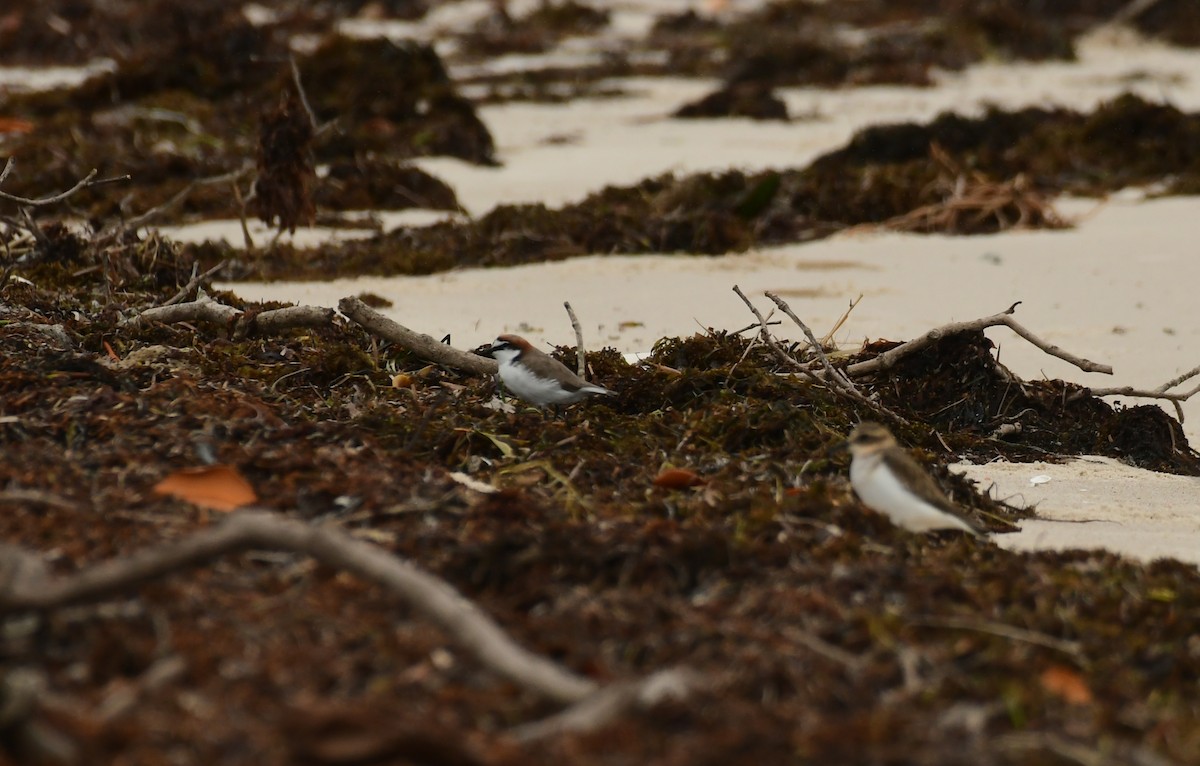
[580, 354]
[86, 182]
[240, 323]
[888, 358]
[420, 344]
[784, 356]
[609, 703]
[834, 374]
[834, 379]
[430, 596]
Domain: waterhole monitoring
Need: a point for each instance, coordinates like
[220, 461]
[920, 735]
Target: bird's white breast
[533, 388]
[880, 489]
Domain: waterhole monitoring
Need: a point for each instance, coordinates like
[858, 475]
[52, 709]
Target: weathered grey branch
[430, 596]
[148, 216]
[834, 374]
[203, 309]
[889, 358]
[86, 182]
[289, 317]
[1153, 394]
[240, 323]
[763, 333]
[1179, 379]
[1003, 630]
[420, 344]
[611, 702]
[834, 379]
[1159, 393]
[580, 354]
[193, 283]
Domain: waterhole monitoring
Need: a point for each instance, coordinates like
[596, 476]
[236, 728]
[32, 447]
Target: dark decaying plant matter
[685, 558]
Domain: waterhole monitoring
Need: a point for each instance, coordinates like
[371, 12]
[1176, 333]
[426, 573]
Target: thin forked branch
[240, 323]
[888, 358]
[834, 374]
[430, 596]
[784, 356]
[87, 181]
[580, 354]
[420, 344]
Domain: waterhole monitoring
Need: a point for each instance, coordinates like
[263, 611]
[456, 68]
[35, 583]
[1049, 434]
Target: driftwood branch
[430, 596]
[240, 323]
[834, 374]
[610, 703]
[1162, 392]
[420, 344]
[580, 354]
[772, 344]
[834, 379]
[1179, 379]
[178, 198]
[193, 283]
[86, 182]
[889, 358]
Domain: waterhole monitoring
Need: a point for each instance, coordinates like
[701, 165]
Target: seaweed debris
[766, 576]
[956, 175]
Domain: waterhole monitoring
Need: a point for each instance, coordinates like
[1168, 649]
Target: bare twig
[84, 183]
[193, 283]
[611, 702]
[240, 323]
[1131, 11]
[834, 379]
[1177, 380]
[153, 213]
[838, 324]
[312, 116]
[247, 240]
[835, 375]
[784, 356]
[818, 645]
[889, 358]
[1003, 630]
[420, 344]
[580, 354]
[430, 596]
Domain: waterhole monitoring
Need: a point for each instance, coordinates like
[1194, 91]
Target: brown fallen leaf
[1067, 684]
[678, 478]
[218, 487]
[15, 125]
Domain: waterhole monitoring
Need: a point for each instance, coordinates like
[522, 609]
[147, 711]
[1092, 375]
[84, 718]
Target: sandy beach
[236, 534]
[1116, 289]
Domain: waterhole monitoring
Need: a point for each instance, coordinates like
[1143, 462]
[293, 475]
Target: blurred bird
[887, 479]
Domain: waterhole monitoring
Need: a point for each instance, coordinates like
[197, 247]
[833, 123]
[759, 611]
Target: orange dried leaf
[15, 125]
[1067, 684]
[678, 478]
[219, 487]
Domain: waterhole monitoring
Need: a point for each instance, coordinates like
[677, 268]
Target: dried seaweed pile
[823, 633]
[698, 518]
[169, 116]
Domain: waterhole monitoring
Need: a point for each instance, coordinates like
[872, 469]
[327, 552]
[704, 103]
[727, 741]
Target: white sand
[1119, 289]
[1097, 502]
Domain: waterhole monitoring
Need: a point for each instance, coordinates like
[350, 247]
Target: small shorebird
[536, 377]
[887, 479]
